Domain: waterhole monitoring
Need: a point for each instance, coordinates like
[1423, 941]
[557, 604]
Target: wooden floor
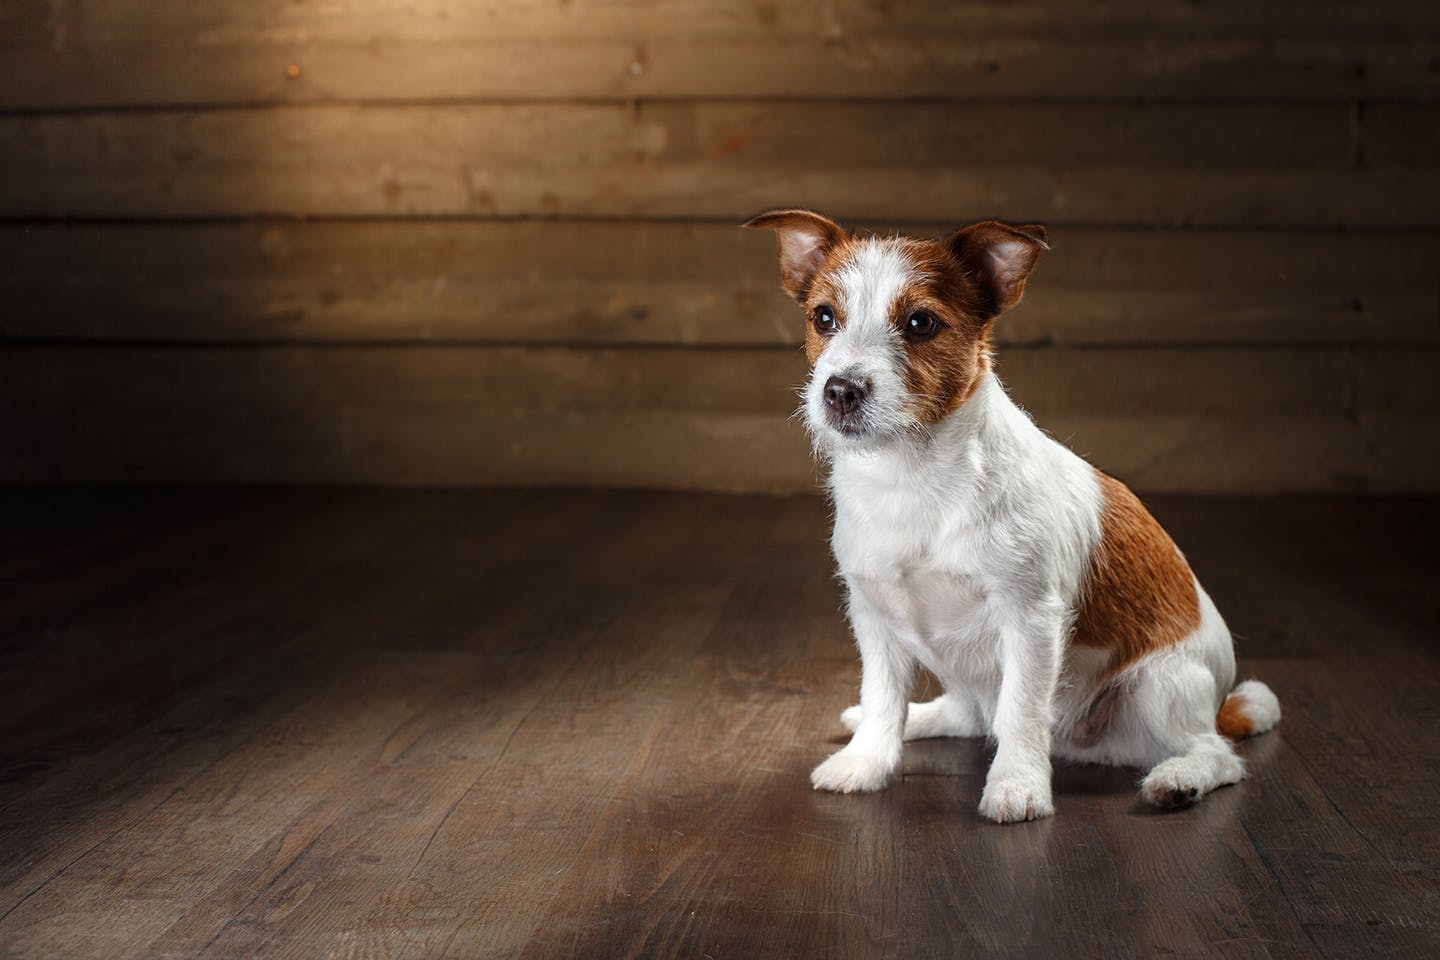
[471, 724]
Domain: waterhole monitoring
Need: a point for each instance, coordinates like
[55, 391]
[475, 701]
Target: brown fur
[822, 291]
[944, 371]
[1139, 595]
[1232, 722]
[807, 241]
[941, 372]
[965, 287]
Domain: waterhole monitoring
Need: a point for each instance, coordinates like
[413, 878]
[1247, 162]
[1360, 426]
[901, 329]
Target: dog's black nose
[844, 396]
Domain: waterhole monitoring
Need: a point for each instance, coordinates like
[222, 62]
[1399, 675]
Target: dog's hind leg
[1174, 705]
[952, 714]
[1209, 762]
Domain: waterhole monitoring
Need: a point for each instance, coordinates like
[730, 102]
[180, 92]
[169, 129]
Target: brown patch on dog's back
[1139, 593]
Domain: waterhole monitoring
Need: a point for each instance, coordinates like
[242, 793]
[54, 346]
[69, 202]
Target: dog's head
[897, 330]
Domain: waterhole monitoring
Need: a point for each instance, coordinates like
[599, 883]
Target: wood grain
[680, 283]
[533, 724]
[127, 52]
[1102, 163]
[155, 730]
[1164, 419]
[287, 179]
[1401, 135]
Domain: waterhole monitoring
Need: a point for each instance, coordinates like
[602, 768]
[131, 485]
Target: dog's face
[897, 330]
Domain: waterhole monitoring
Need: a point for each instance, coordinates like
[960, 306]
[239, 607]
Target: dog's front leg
[872, 756]
[1018, 787]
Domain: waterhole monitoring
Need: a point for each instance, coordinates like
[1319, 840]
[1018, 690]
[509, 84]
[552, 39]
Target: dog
[1058, 616]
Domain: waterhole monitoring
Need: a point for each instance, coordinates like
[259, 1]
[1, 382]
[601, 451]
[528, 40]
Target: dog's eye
[921, 326]
[824, 319]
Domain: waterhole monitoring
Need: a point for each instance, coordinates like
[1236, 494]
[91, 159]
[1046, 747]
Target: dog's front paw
[851, 718]
[1011, 799]
[853, 771]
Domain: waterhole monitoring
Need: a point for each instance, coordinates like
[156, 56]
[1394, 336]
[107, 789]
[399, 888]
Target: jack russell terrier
[1057, 614]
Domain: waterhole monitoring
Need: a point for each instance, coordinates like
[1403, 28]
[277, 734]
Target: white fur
[867, 349]
[964, 548]
[1260, 705]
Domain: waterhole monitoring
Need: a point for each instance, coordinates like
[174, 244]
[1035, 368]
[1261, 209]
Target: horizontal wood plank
[1403, 136]
[1165, 164]
[1163, 419]
[130, 52]
[497, 174]
[583, 282]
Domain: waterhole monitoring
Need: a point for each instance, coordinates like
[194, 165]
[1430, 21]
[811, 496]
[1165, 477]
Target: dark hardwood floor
[476, 724]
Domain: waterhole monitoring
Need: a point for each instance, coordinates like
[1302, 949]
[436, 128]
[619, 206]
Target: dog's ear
[806, 239]
[998, 258]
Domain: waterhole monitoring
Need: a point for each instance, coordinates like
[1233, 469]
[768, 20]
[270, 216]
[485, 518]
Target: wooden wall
[445, 242]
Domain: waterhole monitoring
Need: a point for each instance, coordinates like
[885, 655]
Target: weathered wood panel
[1164, 164]
[131, 52]
[1210, 420]
[674, 283]
[1402, 136]
[502, 173]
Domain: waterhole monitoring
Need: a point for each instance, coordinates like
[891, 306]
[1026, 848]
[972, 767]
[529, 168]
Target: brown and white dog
[1056, 613]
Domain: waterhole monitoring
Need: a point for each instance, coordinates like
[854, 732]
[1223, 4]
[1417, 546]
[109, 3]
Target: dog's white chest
[922, 605]
[923, 573]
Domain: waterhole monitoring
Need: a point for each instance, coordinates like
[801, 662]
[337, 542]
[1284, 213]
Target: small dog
[1057, 614]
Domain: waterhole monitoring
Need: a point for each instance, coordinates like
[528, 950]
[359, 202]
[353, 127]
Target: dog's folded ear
[806, 239]
[998, 258]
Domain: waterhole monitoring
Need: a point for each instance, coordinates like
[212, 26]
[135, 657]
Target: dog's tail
[1252, 708]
